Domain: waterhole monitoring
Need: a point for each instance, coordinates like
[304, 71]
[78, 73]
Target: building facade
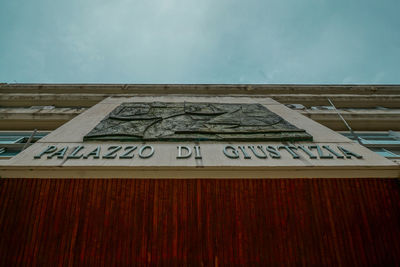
[200, 174]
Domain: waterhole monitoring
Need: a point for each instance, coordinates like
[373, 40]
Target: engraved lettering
[95, 153]
[233, 154]
[349, 153]
[74, 153]
[263, 156]
[112, 152]
[197, 152]
[129, 150]
[308, 152]
[333, 152]
[246, 156]
[181, 155]
[48, 150]
[320, 152]
[291, 152]
[60, 153]
[143, 148]
[273, 153]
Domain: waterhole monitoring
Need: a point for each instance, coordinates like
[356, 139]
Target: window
[11, 143]
[296, 106]
[386, 144]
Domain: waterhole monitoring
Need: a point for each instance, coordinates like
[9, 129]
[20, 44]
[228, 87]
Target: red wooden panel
[91, 222]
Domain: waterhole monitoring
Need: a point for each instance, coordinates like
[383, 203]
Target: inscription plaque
[160, 121]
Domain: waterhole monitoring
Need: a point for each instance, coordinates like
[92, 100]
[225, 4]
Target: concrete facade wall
[67, 101]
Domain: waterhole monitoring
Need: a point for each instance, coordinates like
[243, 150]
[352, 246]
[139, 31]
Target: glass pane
[384, 152]
[375, 138]
[16, 138]
[11, 153]
[381, 142]
[10, 139]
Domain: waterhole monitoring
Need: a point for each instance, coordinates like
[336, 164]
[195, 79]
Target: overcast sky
[200, 41]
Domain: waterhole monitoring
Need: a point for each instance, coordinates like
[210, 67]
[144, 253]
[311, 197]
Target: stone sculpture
[160, 121]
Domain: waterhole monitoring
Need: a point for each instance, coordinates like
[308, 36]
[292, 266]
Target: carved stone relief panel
[160, 121]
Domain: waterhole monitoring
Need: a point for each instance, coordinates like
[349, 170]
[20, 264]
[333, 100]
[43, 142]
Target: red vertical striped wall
[127, 222]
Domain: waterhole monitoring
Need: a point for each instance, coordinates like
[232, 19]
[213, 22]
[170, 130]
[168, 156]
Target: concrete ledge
[162, 89]
[361, 120]
[87, 100]
[203, 173]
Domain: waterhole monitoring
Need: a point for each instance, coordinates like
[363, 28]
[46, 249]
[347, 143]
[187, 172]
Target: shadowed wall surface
[92, 222]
